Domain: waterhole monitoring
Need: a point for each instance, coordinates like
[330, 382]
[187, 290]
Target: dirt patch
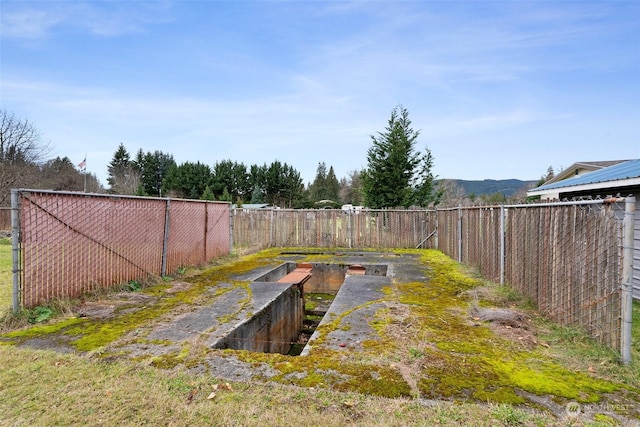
[511, 324]
[179, 287]
[501, 316]
[121, 303]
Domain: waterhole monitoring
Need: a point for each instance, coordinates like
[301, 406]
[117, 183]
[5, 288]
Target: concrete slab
[360, 296]
[202, 320]
[264, 317]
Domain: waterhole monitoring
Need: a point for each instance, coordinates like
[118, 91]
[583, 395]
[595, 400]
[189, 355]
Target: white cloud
[34, 20]
[28, 23]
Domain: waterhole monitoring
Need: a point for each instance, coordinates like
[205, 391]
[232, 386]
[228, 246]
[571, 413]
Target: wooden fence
[5, 219]
[256, 229]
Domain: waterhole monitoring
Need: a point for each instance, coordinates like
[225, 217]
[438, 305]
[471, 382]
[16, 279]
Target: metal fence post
[271, 228]
[437, 244]
[502, 243]
[232, 215]
[459, 233]
[349, 229]
[167, 218]
[627, 281]
[15, 248]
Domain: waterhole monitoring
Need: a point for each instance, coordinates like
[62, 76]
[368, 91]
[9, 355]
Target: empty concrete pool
[278, 324]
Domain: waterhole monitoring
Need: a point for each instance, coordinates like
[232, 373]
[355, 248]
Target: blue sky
[497, 89]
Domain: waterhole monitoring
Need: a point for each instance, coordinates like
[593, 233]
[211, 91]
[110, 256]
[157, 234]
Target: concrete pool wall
[280, 310]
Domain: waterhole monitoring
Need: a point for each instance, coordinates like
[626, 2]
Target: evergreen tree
[426, 191]
[233, 177]
[317, 187]
[189, 180]
[279, 184]
[332, 186]
[154, 167]
[208, 194]
[124, 175]
[325, 186]
[225, 197]
[397, 175]
[257, 196]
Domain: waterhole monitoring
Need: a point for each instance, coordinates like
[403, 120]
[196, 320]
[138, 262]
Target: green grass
[6, 281]
[46, 388]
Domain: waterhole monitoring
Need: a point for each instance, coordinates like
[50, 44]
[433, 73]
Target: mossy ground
[425, 344]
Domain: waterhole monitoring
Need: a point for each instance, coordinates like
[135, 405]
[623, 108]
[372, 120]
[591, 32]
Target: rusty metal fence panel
[71, 243]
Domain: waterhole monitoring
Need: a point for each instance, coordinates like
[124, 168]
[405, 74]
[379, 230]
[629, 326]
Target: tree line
[157, 174]
[24, 162]
[397, 173]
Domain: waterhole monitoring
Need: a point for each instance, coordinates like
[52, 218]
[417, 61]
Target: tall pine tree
[154, 168]
[397, 174]
[124, 175]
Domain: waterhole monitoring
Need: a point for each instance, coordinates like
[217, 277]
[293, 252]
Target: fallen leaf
[349, 403]
[590, 369]
[226, 386]
[214, 386]
[212, 395]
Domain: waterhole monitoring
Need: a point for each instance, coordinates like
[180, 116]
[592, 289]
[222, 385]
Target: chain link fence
[568, 258]
[70, 243]
[255, 229]
[574, 260]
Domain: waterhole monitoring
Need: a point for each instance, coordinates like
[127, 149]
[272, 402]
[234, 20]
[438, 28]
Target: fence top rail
[363, 210]
[605, 201]
[113, 196]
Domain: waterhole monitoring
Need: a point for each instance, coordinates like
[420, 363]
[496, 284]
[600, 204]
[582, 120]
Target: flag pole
[85, 172]
[83, 166]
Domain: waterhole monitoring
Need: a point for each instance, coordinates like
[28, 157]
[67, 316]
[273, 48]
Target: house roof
[587, 166]
[614, 175]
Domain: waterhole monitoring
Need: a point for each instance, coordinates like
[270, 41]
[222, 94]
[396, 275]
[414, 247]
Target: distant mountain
[508, 187]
